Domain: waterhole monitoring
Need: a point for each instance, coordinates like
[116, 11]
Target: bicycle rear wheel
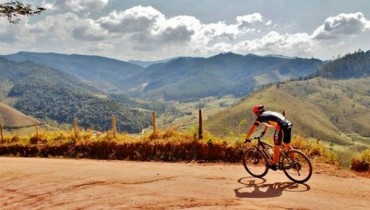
[297, 166]
[255, 163]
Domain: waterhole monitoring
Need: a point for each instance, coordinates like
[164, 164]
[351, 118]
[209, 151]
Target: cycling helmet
[257, 109]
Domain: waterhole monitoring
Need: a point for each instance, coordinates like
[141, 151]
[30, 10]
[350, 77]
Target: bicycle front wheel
[255, 163]
[297, 166]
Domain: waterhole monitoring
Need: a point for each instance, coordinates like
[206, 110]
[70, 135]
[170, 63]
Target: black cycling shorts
[283, 134]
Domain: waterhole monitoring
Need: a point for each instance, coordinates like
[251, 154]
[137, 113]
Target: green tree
[12, 10]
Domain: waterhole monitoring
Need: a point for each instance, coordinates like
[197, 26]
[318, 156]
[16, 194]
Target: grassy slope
[331, 110]
[10, 117]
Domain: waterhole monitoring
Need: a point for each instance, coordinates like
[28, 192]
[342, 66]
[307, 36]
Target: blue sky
[161, 29]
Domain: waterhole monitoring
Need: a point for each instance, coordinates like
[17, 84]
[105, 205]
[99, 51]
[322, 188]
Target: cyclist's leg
[287, 138]
[278, 136]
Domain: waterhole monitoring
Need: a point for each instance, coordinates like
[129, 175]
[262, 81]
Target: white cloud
[135, 20]
[88, 30]
[79, 5]
[247, 22]
[342, 25]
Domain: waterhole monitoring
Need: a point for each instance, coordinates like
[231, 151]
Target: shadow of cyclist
[257, 188]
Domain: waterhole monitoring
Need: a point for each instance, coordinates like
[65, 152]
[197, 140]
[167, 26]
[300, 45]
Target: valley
[321, 106]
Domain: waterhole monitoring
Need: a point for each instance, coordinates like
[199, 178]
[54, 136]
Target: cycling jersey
[274, 119]
[282, 126]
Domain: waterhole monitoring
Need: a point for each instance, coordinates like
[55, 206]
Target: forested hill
[46, 93]
[228, 73]
[104, 73]
[353, 65]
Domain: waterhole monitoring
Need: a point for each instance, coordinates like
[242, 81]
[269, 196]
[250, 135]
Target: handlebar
[255, 137]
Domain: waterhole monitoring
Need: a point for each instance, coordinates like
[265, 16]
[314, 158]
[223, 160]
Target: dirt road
[32, 183]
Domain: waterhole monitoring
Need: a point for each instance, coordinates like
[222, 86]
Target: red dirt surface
[35, 183]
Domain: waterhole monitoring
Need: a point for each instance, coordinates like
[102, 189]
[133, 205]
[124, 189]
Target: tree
[12, 10]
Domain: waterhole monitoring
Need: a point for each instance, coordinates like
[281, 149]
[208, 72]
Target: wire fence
[113, 126]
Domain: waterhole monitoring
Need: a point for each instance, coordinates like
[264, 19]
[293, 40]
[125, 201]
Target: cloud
[135, 20]
[247, 22]
[275, 43]
[88, 30]
[342, 25]
[149, 28]
[79, 5]
[141, 32]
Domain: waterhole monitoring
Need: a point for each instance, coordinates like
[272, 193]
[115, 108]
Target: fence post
[37, 130]
[75, 128]
[283, 113]
[200, 125]
[154, 123]
[1, 133]
[114, 126]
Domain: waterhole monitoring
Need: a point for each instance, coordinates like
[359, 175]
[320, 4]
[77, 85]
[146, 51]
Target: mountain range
[104, 73]
[92, 88]
[183, 78]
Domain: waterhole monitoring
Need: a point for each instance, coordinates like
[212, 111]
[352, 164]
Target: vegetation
[47, 93]
[46, 100]
[11, 10]
[189, 78]
[352, 65]
[361, 161]
[167, 145]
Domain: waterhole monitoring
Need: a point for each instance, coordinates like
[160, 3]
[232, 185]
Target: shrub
[315, 150]
[361, 162]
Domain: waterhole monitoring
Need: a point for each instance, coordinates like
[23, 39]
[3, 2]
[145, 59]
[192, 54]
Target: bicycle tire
[300, 170]
[255, 163]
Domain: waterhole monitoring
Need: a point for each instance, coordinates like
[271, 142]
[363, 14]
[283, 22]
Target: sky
[150, 30]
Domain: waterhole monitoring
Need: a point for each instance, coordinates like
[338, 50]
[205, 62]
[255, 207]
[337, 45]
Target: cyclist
[283, 129]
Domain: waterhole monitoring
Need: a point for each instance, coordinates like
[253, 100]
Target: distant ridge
[104, 73]
[192, 78]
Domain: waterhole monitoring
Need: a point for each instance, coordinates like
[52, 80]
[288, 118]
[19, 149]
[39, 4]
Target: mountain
[333, 106]
[182, 78]
[189, 78]
[46, 93]
[330, 110]
[148, 63]
[352, 65]
[103, 73]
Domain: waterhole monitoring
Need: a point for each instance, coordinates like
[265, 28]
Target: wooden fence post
[154, 123]
[200, 131]
[75, 128]
[1, 133]
[37, 130]
[114, 126]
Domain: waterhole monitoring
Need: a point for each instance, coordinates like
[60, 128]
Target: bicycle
[294, 163]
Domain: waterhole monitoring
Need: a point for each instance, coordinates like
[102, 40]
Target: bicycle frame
[264, 147]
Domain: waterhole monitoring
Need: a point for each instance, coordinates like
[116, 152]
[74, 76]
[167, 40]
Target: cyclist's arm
[252, 129]
[265, 129]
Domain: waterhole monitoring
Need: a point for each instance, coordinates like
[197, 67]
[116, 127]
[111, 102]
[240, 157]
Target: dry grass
[165, 145]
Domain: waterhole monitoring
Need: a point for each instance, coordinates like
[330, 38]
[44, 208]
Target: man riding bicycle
[283, 129]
